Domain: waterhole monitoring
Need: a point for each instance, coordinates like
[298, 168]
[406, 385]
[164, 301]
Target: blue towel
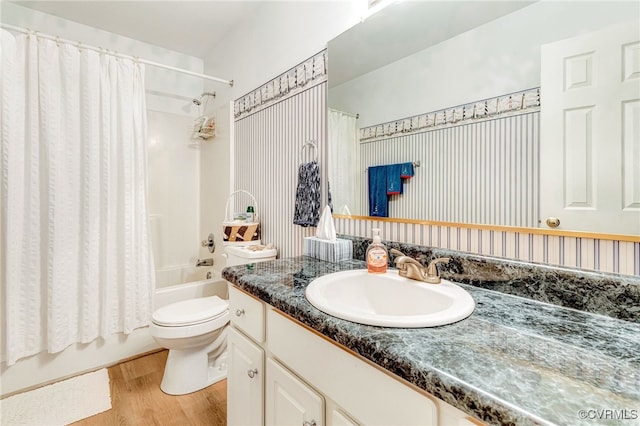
[378, 200]
[406, 170]
[394, 181]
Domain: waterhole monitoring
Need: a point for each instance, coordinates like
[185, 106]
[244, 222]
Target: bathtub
[173, 275]
[213, 286]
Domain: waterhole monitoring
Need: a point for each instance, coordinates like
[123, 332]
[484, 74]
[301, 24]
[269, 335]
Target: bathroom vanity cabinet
[283, 373]
[513, 361]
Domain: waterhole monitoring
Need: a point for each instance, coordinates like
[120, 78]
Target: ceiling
[190, 27]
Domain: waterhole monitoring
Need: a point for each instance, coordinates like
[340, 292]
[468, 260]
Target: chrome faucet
[204, 262]
[410, 268]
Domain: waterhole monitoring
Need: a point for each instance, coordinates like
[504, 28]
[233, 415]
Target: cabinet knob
[239, 312]
[252, 373]
[311, 423]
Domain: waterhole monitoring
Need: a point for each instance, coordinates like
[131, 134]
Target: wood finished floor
[136, 398]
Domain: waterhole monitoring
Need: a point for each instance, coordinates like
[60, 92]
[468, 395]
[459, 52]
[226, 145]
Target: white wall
[214, 184]
[174, 191]
[277, 37]
[169, 94]
[500, 57]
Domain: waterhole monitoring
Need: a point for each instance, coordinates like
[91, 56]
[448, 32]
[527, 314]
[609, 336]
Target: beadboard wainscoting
[484, 171]
[597, 254]
[268, 147]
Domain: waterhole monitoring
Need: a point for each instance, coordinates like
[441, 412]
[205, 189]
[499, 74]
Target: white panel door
[245, 381]
[289, 401]
[590, 131]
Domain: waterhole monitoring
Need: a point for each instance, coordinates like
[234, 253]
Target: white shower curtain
[344, 163]
[76, 256]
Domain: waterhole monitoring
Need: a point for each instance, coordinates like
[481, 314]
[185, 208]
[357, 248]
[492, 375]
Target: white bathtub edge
[216, 286]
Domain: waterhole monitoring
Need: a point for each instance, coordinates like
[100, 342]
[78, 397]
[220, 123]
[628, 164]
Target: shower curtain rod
[350, 114]
[116, 54]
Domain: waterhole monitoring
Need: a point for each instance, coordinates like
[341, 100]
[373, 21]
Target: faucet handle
[432, 270]
[400, 261]
[210, 243]
[396, 252]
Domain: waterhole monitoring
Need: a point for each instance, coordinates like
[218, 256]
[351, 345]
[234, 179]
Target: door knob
[252, 373]
[553, 222]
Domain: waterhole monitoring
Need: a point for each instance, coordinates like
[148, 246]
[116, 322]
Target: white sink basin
[389, 300]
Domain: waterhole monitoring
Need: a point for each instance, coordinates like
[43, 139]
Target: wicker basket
[238, 232]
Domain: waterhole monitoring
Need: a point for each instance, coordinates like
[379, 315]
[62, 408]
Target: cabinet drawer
[369, 395]
[247, 313]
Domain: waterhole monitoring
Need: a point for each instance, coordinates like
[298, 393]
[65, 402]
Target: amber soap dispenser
[377, 255]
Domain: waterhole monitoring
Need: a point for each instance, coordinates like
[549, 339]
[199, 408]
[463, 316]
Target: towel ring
[313, 145]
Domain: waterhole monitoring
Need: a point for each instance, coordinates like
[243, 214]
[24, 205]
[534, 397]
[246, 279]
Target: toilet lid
[191, 311]
[251, 254]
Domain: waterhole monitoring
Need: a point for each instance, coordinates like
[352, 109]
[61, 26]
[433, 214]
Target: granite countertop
[513, 361]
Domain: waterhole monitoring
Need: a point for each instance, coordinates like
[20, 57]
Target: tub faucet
[204, 262]
[408, 267]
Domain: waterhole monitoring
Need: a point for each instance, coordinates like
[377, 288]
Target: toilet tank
[244, 255]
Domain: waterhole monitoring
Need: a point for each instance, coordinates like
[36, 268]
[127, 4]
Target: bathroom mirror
[418, 57]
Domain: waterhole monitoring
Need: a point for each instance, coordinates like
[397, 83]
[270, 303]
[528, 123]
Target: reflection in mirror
[488, 168]
[345, 185]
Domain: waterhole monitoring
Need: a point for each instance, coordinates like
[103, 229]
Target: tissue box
[331, 251]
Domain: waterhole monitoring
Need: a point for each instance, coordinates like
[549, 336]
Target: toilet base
[190, 370]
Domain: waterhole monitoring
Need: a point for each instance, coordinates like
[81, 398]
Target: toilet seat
[190, 312]
[189, 331]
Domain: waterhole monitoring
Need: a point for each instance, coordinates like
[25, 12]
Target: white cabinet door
[245, 381]
[289, 401]
[590, 131]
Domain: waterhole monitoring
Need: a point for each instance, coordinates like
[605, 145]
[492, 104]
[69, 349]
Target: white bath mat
[60, 403]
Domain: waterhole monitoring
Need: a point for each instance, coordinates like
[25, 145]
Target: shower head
[198, 101]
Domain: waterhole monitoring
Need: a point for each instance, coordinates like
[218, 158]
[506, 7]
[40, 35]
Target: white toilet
[195, 333]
